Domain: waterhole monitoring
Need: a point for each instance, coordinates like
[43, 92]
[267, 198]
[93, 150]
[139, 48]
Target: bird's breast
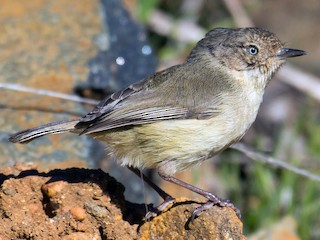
[184, 142]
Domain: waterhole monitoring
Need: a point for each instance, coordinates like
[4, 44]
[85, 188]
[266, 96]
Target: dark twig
[273, 161]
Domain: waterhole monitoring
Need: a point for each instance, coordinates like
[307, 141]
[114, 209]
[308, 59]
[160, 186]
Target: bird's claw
[156, 211]
[221, 203]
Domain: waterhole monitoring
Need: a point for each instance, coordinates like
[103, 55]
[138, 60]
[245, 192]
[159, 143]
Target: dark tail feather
[50, 128]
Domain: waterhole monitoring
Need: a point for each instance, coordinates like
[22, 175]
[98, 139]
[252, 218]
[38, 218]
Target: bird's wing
[109, 103]
[138, 104]
[134, 117]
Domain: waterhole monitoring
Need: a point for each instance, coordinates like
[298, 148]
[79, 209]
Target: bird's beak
[289, 52]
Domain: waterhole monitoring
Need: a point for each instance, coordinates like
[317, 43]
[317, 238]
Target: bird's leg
[168, 199]
[213, 199]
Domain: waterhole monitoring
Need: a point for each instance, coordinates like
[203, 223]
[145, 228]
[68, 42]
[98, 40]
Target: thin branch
[74, 98]
[183, 31]
[40, 109]
[301, 80]
[238, 13]
[256, 156]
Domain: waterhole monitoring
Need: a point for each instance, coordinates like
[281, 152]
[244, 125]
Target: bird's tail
[50, 128]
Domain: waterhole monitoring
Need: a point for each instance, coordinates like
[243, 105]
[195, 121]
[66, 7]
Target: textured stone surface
[89, 204]
[44, 44]
[59, 45]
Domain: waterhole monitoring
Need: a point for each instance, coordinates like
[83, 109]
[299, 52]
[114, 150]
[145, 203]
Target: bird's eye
[253, 50]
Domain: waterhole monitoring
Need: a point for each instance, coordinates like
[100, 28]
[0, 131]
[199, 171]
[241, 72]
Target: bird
[187, 113]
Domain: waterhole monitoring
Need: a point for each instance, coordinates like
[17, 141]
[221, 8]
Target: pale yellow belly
[180, 143]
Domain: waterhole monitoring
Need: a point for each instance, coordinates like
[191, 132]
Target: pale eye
[253, 50]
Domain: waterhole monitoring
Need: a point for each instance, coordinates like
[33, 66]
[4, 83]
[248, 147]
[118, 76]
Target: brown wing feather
[107, 104]
[154, 99]
[135, 117]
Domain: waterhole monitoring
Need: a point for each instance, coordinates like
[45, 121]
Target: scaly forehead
[261, 36]
[257, 36]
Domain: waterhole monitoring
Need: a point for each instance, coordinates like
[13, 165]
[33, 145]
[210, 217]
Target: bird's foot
[156, 211]
[214, 200]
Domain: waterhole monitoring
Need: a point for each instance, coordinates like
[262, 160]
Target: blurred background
[92, 48]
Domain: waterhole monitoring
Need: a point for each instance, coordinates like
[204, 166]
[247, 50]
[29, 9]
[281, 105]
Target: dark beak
[289, 52]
